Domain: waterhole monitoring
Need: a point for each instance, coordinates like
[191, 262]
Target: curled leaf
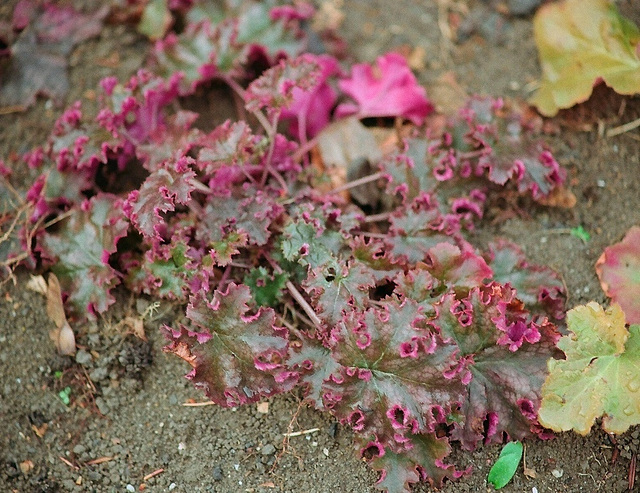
[62, 335]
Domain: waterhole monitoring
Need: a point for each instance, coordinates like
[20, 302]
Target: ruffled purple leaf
[161, 191]
[539, 287]
[79, 251]
[39, 56]
[504, 351]
[395, 377]
[237, 357]
[275, 88]
[419, 459]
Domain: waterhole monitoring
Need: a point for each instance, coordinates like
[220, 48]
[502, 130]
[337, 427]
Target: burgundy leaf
[505, 353]
[237, 358]
[335, 289]
[539, 287]
[395, 378]
[275, 89]
[419, 459]
[39, 57]
[388, 89]
[161, 191]
[80, 251]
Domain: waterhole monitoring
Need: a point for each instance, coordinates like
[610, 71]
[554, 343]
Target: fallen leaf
[26, 466]
[618, 269]
[62, 335]
[37, 284]
[559, 197]
[579, 43]
[599, 376]
[40, 430]
[156, 20]
[135, 325]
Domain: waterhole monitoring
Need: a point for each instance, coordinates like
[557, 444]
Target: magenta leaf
[335, 289]
[420, 459]
[236, 357]
[618, 269]
[395, 377]
[388, 89]
[39, 57]
[539, 287]
[274, 89]
[80, 251]
[308, 242]
[162, 190]
[505, 353]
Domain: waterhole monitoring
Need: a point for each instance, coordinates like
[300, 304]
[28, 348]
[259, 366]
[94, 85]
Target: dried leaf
[581, 42]
[37, 284]
[599, 377]
[62, 335]
[618, 269]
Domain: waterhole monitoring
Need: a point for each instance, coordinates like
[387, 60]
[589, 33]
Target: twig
[305, 306]
[356, 183]
[632, 470]
[375, 218]
[303, 432]
[153, 474]
[623, 128]
[198, 404]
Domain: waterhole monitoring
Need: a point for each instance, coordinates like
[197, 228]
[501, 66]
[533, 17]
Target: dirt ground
[127, 396]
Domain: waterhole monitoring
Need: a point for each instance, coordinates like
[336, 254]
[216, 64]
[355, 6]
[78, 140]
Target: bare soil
[127, 395]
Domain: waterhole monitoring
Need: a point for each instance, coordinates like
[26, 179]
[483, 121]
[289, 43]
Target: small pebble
[78, 449]
[131, 488]
[216, 474]
[268, 449]
[172, 487]
[83, 357]
[557, 473]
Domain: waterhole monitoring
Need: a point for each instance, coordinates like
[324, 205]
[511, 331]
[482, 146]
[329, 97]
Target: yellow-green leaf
[580, 42]
[600, 376]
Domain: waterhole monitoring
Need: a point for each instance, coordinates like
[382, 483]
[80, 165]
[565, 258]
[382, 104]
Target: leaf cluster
[397, 326]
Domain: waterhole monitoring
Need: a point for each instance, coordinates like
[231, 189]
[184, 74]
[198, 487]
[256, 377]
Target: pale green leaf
[599, 377]
[506, 465]
[579, 42]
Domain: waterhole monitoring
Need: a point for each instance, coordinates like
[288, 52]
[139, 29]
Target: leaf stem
[305, 306]
[356, 183]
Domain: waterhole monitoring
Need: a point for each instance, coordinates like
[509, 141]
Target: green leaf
[580, 41]
[155, 20]
[506, 465]
[266, 288]
[599, 377]
[581, 233]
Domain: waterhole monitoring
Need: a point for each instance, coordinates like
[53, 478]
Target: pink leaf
[388, 89]
[619, 271]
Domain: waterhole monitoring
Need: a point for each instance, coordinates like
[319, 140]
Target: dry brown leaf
[37, 284]
[62, 335]
[135, 325]
[560, 197]
[26, 466]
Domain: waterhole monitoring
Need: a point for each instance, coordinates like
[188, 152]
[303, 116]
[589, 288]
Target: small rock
[102, 405]
[268, 449]
[99, 374]
[78, 449]
[216, 474]
[131, 488]
[83, 357]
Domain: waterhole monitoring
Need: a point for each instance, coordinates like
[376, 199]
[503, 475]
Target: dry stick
[623, 128]
[305, 306]
[356, 183]
[375, 218]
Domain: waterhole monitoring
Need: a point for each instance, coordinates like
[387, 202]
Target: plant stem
[305, 306]
[356, 183]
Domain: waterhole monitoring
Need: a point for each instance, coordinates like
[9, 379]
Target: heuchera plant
[395, 323]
